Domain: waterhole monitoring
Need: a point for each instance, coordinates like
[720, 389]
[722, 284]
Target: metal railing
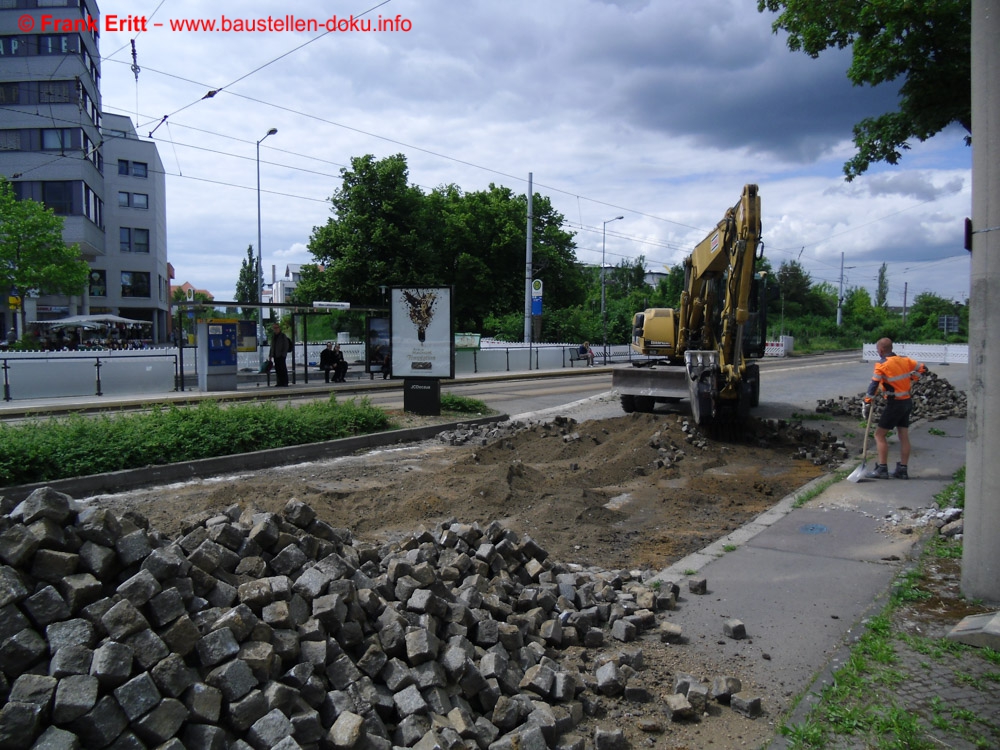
[74, 373]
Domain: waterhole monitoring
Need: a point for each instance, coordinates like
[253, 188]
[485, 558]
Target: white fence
[942, 354]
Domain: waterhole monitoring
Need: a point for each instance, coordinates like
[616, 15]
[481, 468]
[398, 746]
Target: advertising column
[422, 345]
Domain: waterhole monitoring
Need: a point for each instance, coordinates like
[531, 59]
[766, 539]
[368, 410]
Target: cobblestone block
[112, 663]
[245, 711]
[234, 678]
[123, 620]
[71, 659]
[140, 588]
[17, 546]
[269, 729]
[55, 738]
[52, 565]
[173, 676]
[46, 606]
[217, 646]
[80, 590]
[21, 651]
[20, 723]
[133, 547]
[203, 702]
[148, 648]
[75, 695]
[138, 696]
[102, 724]
[182, 636]
[162, 723]
[69, 632]
[46, 502]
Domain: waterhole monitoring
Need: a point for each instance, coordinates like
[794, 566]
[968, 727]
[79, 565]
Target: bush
[78, 445]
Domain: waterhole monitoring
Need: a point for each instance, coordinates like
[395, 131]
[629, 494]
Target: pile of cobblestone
[933, 398]
[263, 630]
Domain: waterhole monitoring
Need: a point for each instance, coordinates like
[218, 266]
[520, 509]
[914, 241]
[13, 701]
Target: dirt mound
[635, 491]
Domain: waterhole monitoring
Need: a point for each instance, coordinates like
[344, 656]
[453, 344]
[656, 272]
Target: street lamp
[262, 334]
[604, 312]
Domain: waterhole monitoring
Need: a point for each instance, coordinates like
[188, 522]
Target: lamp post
[604, 312]
[261, 333]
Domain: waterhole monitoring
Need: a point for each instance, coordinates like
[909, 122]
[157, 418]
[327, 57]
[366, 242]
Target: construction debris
[934, 398]
[267, 630]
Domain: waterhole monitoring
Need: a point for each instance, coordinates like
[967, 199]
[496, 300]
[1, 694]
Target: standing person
[339, 365]
[11, 337]
[280, 346]
[387, 366]
[326, 361]
[894, 374]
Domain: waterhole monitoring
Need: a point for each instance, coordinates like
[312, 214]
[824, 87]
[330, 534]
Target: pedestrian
[893, 374]
[280, 346]
[585, 352]
[339, 365]
[11, 337]
[326, 361]
[386, 366]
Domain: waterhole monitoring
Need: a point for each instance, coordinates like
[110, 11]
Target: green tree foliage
[923, 318]
[248, 285]
[33, 257]
[386, 232]
[373, 239]
[927, 43]
[882, 291]
[200, 311]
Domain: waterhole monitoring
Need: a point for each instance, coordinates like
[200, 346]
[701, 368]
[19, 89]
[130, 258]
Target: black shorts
[896, 414]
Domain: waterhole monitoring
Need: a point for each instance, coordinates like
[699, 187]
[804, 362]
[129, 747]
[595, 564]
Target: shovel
[858, 474]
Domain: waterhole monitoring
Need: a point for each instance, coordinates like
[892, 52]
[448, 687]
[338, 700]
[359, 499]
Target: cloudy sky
[656, 110]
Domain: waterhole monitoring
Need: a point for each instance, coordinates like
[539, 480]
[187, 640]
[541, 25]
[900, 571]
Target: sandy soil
[634, 492]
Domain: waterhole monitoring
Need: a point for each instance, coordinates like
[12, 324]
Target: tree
[248, 285]
[33, 257]
[926, 42]
[882, 292]
[374, 238]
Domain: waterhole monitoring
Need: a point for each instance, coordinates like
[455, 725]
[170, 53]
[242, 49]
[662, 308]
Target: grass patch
[937, 432]
[953, 496]
[79, 446]
[463, 405]
[819, 488]
[729, 548]
[812, 416]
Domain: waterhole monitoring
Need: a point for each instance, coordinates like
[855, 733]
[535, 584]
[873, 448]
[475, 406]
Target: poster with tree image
[423, 344]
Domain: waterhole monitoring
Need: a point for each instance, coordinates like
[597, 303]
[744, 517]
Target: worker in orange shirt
[893, 374]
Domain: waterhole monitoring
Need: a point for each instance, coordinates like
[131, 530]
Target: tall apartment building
[57, 147]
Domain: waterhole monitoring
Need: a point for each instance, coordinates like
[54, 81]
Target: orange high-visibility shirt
[895, 375]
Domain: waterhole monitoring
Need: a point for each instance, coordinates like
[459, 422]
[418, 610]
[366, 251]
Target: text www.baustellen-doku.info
[130, 23]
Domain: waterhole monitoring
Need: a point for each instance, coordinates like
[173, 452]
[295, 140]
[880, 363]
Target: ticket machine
[217, 345]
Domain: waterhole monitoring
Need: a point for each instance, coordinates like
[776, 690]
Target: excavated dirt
[637, 491]
[630, 493]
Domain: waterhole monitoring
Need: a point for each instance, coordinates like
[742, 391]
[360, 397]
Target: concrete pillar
[981, 558]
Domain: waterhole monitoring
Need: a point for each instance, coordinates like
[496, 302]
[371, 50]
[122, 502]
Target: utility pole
[906, 285]
[527, 267]
[840, 294]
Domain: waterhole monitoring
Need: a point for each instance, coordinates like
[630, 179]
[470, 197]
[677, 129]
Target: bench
[575, 356]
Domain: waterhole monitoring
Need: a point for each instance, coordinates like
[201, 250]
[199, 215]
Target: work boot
[900, 472]
[881, 471]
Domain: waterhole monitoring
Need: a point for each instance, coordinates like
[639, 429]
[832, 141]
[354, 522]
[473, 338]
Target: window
[10, 93]
[123, 166]
[10, 140]
[135, 284]
[123, 200]
[125, 239]
[57, 139]
[98, 283]
[139, 169]
[58, 196]
[93, 206]
[55, 92]
[140, 240]
[140, 200]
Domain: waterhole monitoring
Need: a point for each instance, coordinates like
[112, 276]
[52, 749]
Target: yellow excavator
[704, 349]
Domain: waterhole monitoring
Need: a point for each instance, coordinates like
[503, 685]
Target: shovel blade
[858, 474]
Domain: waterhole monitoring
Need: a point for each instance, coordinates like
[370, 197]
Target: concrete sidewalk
[803, 579]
